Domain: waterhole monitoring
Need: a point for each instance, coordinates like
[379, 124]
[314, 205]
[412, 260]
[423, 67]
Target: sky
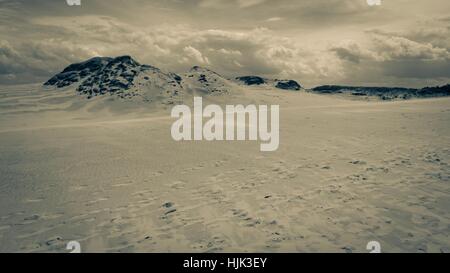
[316, 42]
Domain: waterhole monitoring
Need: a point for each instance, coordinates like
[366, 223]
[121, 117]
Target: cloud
[397, 47]
[35, 60]
[196, 55]
[177, 48]
[314, 42]
[350, 51]
[393, 57]
[258, 51]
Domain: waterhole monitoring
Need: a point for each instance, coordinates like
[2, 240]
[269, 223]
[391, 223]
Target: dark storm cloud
[315, 42]
[351, 54]
[396, 56]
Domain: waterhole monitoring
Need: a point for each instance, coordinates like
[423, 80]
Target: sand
[108, 175]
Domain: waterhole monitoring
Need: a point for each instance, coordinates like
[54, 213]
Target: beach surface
[111, 177]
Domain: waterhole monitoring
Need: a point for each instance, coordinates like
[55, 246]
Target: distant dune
[125, 78]
[385, 93]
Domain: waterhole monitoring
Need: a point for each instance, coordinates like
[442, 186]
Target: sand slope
[111, 177]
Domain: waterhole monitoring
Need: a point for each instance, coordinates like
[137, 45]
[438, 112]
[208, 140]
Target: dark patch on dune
[280, 84]
[251, 80]
[287, 85]
[76, 72]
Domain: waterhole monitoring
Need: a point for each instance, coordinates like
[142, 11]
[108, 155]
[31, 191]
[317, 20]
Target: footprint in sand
[31, 219]
[142, 193]
[36, 200]
[177, 184]
[77, 188]
[169, 209]
[358, 162]
[244, 217]
[123, 184]
[96, 201]
[283, 171]
[213, 245]
[196, 168]
[357, 178]
[54, 240]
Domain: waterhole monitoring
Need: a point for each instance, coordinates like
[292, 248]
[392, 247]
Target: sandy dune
[110, 176]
